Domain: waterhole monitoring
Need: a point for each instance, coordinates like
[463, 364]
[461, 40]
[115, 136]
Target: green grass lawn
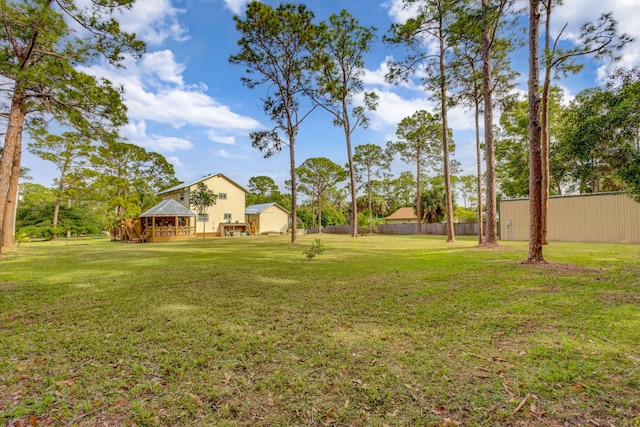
[377, 331]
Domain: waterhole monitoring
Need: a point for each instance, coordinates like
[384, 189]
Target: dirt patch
[493, 247]
[618, 297]
[560, 267]
[8, 286]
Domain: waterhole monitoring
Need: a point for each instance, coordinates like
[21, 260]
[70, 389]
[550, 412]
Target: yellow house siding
[234, 204]
[273, 220]
[176, 196]
[608, 217]
[402, 221]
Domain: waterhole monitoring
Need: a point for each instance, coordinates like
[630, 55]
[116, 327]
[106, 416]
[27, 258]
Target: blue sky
[188, 103]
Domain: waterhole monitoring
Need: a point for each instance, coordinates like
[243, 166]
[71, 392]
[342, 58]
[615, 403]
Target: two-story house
[226, 217]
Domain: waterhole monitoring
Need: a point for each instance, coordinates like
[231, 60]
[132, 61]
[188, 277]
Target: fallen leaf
[329, 417]
[64, 383]
[438, 409]
[578, 386]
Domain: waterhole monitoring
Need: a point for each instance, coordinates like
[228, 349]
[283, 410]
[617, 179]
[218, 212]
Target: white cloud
[163, 65]
[213, 136]
[170, 143]
[377, 77]
[175, 161]
[154, 90]
[226, 155]
[136, 133]
[400, 11]
[575, 13]
[392, 108]
[235, 6]
[153, 21]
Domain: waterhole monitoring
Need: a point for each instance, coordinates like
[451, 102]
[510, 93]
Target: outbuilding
[267, 218]
[598, 217]
[404, 215]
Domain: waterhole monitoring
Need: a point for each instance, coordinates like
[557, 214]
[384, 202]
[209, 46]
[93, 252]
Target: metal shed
[599, 217]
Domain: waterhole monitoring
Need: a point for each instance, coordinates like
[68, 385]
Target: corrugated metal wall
[606, 217]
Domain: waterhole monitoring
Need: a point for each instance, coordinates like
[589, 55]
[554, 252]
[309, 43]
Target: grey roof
[257, 209]
[168, 207]
[189, 184]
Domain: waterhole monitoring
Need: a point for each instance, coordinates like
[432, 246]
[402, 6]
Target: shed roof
[168, 207]
[403, 213]
[257, 209]
[189, 184]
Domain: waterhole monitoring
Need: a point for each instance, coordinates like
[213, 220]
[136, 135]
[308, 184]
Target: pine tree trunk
[535, 152]
[545, 126]
[369, 198]
[10, 167]
[489, 148]
[419, 213]
[294, 201]
[56, 213]
[352, 176]
[12, 200]
[451, 237]
[319, 215]
[479, 177]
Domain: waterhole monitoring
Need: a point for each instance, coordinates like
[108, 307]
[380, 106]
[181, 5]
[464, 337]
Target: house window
[182, 196]
[222, 196]
[227, 217]
[203, 217]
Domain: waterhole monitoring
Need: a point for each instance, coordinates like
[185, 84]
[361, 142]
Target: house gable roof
[257, 209]
[403, 213]
[168, 207]
[188, 185]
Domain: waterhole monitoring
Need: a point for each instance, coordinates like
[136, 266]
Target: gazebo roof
[168, 207]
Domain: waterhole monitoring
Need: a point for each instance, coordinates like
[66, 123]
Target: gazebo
[168, 220]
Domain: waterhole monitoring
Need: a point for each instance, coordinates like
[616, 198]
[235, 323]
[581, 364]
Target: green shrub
[317, 248]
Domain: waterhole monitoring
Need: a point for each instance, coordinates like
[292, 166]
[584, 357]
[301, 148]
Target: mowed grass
[378, 331]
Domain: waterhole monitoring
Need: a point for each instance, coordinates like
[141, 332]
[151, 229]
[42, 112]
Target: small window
[182, 196]
[203, 217]
[227, 217]
[222, 196]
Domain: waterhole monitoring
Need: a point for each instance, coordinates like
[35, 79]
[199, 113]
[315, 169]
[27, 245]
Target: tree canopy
[42, 42]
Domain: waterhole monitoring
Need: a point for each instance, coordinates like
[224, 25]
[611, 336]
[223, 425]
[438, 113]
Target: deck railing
[171, 231]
